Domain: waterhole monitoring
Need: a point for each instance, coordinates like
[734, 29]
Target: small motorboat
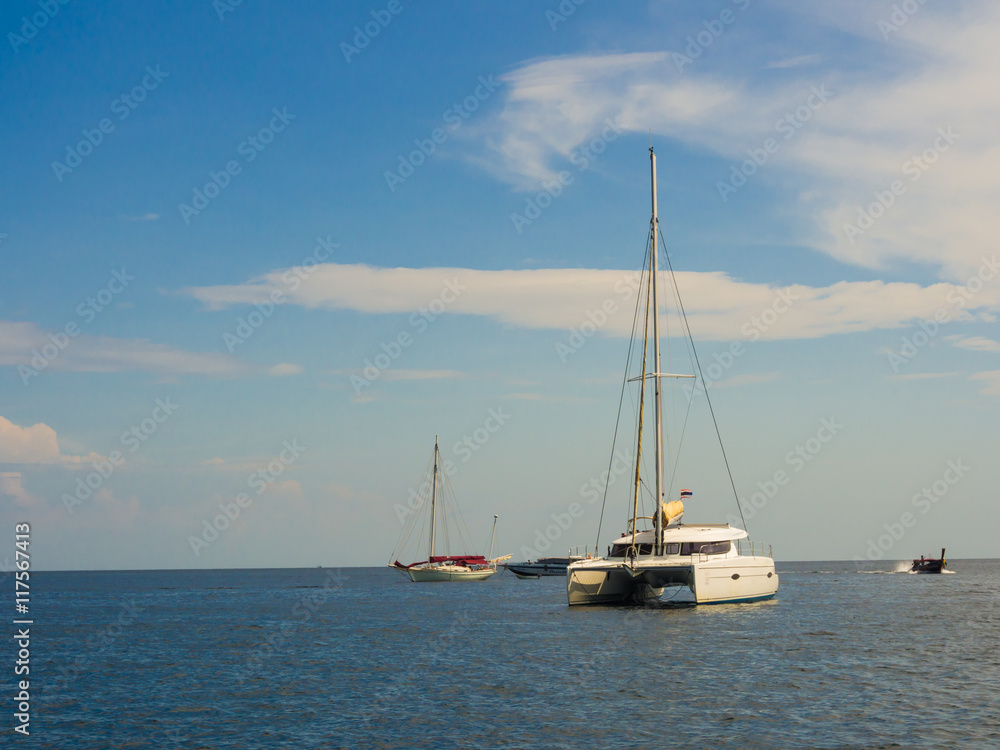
[929, 564]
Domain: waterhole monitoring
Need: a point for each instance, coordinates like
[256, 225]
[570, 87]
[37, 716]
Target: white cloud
[936, 73]
[977, 343]
[37, 444]
[719, 307]
[793, 62]
[990, 380]
[11, 486]
[29, 346]
[28, 445]
[284, 369]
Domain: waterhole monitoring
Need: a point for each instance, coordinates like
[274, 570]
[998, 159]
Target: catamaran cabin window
[619, 550]
[673, 549]
[706, 548]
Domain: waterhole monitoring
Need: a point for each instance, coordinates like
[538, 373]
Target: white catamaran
[445, 567]
[708, 559]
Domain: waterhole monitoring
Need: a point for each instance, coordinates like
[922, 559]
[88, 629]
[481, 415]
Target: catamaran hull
[730, 580]
[725, 580]
[431, 575]
[609, 585]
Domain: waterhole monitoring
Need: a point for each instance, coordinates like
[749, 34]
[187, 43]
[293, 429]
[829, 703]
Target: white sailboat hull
[712, 581]
[448, 573]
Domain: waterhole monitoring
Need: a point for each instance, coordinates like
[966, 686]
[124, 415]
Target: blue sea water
[362, 658]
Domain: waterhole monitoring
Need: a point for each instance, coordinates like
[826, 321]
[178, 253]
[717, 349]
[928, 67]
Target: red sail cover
[398, 564]
[460, 559]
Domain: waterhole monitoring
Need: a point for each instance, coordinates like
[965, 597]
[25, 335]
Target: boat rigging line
[621, 399]
[694, 351]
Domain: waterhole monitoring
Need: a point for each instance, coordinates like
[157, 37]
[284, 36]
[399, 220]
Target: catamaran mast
[658, 408]
[434, 481]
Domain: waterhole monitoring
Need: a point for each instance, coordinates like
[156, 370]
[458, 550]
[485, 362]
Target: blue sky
[215, 217]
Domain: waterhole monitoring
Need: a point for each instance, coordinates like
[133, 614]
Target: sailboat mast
[434, 481]
[658, 408]
[642, 412]
[494, 536]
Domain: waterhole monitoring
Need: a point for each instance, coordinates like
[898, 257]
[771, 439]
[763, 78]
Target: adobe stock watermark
[87, 311]
[31, 25]
[705, 38]
[259, 481]
[901, 14]
[911, 345]
[123, 106]
[922, 502]
[915, 167]
[364, 34]
[753, 329]
[419, 321]
[796, 460]
[464, 450]
[592, 490]
[399, 685]
[789, 124]
[222, 7]
[300, 614]
[291, 280]
[582, 157]
[250, 148]
[97, 646]
[131, 440]
[596, 319]
[453, 117]
[562, 12]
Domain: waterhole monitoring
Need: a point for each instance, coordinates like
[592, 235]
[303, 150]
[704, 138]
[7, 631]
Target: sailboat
[447, 567]
[716, 562]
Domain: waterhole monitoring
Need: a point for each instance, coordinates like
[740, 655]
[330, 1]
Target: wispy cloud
[719, 307]
[794, 62]
[422, 374]
[976, 343]
[880, 121]
[143, 217]
[12, 486]
[22, 344]
[990, 380]
[922, 376]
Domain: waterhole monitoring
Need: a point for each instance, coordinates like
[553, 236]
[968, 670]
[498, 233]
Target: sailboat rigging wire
[464, 539]
[688, 344]
[718, 434]
[621, 400]
[680, 442]
[414, 516]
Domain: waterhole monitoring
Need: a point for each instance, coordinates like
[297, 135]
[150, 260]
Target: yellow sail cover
[670, 511]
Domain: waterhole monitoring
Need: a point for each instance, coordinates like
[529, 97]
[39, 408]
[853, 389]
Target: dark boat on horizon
[929, 564]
